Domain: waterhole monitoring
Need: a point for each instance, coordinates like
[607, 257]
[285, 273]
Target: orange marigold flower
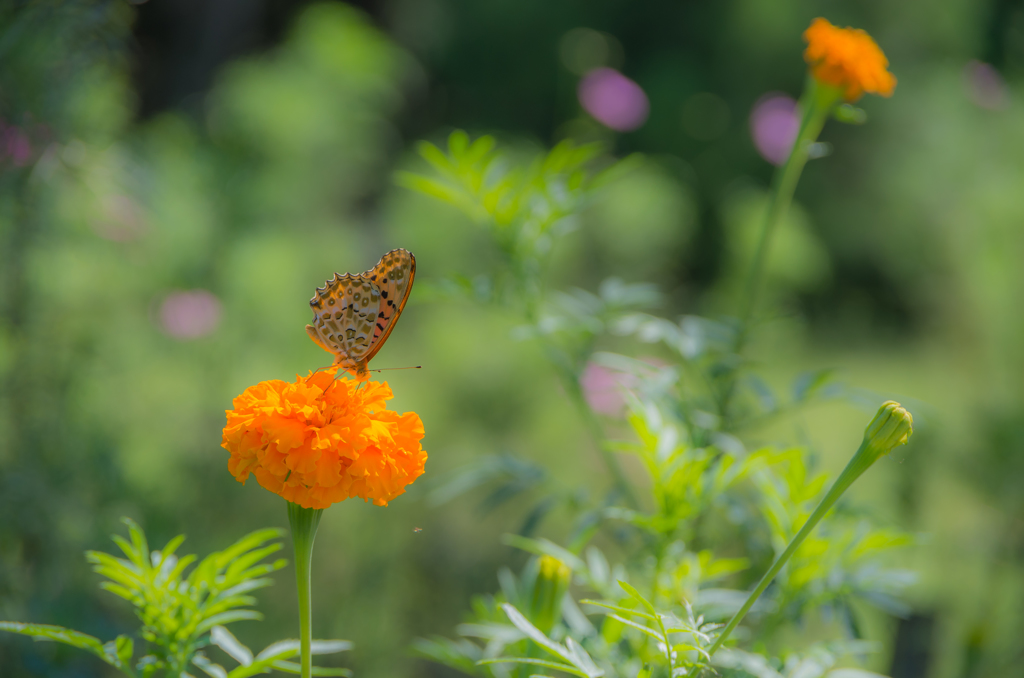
[318, 440]
[847, 58]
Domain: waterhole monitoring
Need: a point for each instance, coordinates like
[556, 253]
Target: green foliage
[117, 652]
[712, 513]
[182, 613]
[274, 656]
[526, 204]
[177, 610]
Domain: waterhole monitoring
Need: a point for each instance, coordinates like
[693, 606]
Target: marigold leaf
[243, 587]
[440, 191]
[617, 608]
[635, 595]
[226, 618]
[122, 576]
[236, 570]
[183, 562]
[63, 635]
[168, 550]
[141, 546]
[543, 547]
[124, 647]
[292, 667]
[134, 556]
[534, 634]
[639, 627]
[209, 668]
[459, 655]
[567, 668]
[227, 641]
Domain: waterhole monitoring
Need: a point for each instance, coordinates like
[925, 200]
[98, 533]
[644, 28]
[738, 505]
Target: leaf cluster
[182, 611]
[525, 206]
[712, 515]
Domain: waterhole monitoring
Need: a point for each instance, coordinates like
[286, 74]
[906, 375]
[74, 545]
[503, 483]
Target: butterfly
[354, 314]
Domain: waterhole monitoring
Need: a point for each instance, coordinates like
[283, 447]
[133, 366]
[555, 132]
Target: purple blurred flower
[190, 314]
[613, 99]
[14, 144]
[603, 389]
[774, 124]
[985, 86]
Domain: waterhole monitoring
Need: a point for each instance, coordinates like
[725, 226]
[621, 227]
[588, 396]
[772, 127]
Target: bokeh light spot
[613, 99]
[985, 86]
[774, 124]
[120, 219]
[190, 314]
[584, 49]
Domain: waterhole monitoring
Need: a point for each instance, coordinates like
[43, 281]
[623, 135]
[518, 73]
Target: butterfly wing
[354, 314]
[393, 276]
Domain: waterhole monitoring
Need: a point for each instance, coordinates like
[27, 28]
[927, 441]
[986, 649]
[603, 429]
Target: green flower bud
[549, 589]
[890, 428]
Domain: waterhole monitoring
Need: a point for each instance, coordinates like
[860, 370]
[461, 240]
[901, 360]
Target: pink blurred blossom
[15, 145]
[985, 86]
[774, 124]
[190, 314]
[613, 99]
[603, 388]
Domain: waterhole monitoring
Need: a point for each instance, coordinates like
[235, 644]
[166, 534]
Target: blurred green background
[177, 176]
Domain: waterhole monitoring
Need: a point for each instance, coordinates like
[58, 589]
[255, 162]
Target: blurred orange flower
[318, 440]
[847, 58]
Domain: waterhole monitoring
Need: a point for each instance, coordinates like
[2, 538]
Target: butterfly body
[353, 314]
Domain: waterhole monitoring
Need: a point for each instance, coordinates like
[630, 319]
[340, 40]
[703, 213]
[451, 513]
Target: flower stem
[817, 104]
[891, 426]
[304, 522]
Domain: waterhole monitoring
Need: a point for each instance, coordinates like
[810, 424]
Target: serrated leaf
[617, 608]
[639, 627]
[635, 595]
[567, 668]
[211, 669]
[533, 633]
[226, 641]
[124, 648]
[63, 635]
[226, 618]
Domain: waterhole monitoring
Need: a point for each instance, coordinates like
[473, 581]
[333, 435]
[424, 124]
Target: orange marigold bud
[847, 58]
[318, 440]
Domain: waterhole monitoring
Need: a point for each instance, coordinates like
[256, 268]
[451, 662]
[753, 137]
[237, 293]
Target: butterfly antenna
[390, 369]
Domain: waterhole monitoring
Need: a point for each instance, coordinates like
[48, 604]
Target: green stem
[817, 104]
[890, 427]
[304, 522]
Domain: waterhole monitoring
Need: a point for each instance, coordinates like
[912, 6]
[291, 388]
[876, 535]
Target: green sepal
[850, 114]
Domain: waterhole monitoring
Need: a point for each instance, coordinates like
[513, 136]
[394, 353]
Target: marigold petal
[847, 58]
[318, 440]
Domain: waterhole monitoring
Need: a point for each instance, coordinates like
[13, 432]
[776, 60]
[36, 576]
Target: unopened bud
[552, 582]
[890, 428]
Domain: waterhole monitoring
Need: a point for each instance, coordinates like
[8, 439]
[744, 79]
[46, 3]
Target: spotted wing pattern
[354, 314]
